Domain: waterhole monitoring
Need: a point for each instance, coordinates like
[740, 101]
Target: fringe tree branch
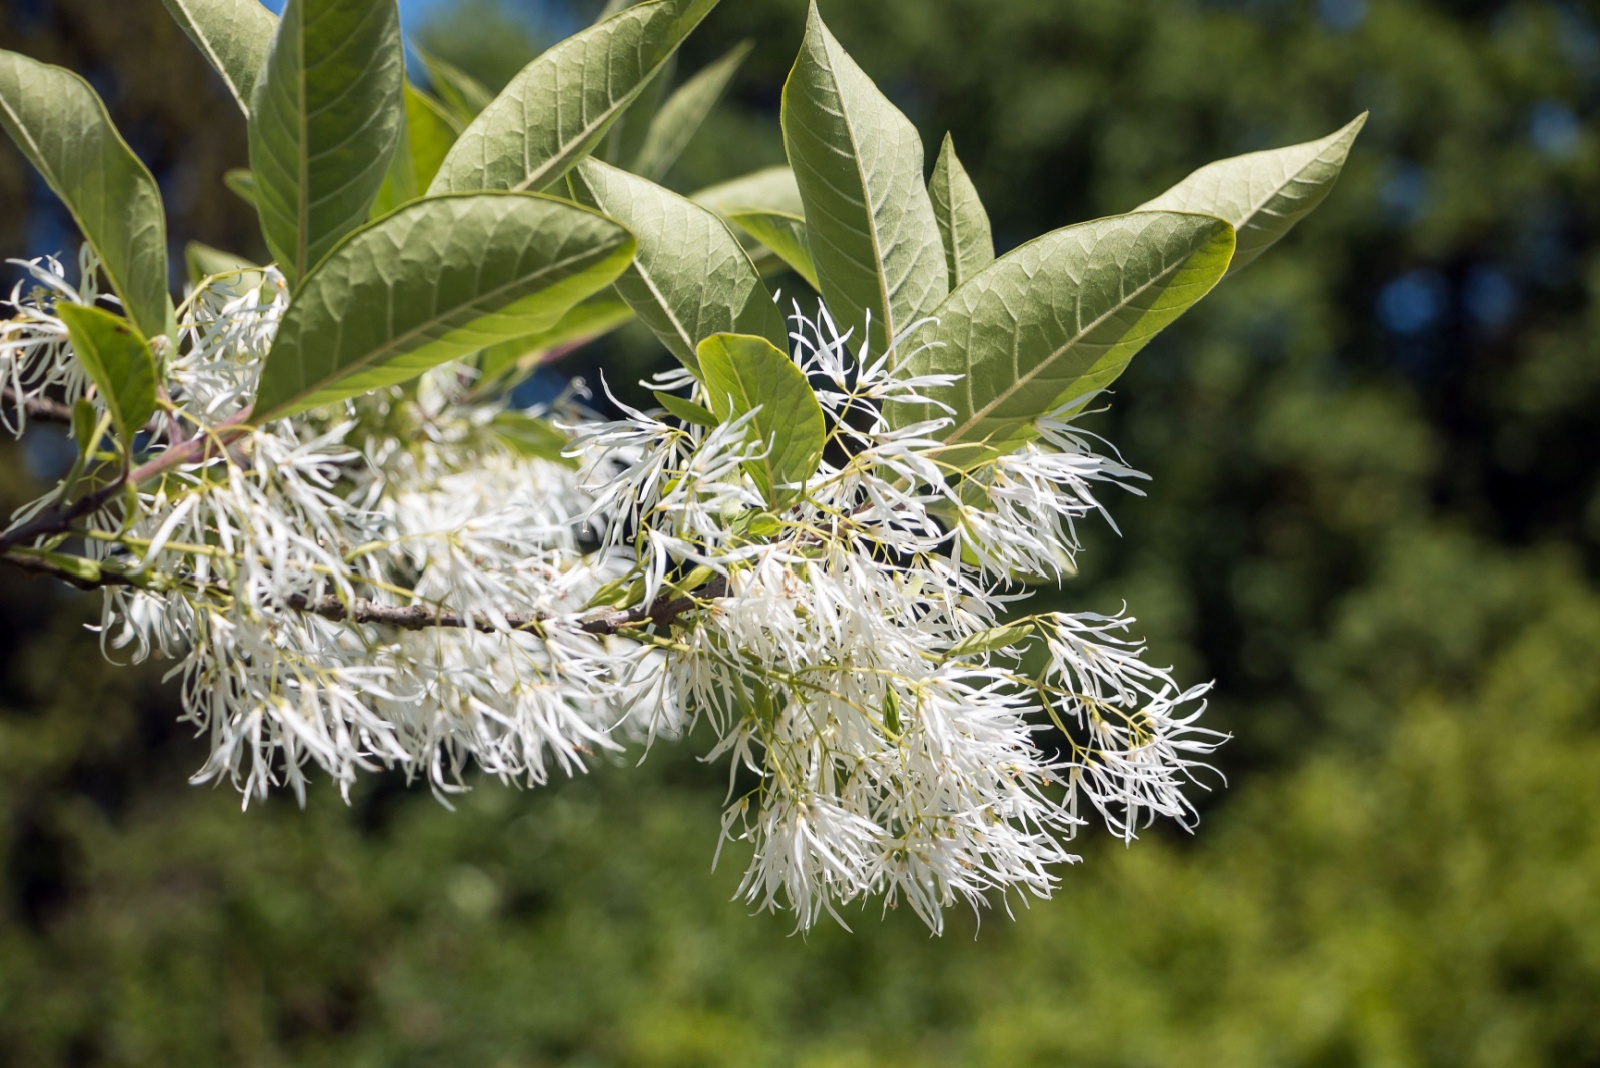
[663, 612]
[59, 519]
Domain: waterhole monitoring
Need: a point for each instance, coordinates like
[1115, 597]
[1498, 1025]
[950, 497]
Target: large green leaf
[324, 120]
[586, 321]
[528, 435]
[1061, 317]
[684, 112]
[241, 183]
[62, 127]
[560, 105]
[118, 361]
[689, 279]
[430, 130]
[438, 279]
[963, 224]
[743, 374]
[858, 162]
[766, 208]
[625, 137]
[233, 35]
[686, 410]
[783, 235]
[464, 95]
[769, 189]
[204, 262]
[1263, 194]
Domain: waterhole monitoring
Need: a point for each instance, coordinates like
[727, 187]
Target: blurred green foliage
[1375, 520]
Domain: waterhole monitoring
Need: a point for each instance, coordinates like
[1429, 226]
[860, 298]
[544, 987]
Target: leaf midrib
[566, 150]
[665, 306]
[769, 443]
[348, 370]
[879, 273]
[212, 55]
[1258, 207]
[645, 276]
[54, 181]
[980, 414]
[303, 120]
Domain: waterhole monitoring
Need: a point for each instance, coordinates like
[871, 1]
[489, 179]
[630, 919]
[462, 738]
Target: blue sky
[415, 12]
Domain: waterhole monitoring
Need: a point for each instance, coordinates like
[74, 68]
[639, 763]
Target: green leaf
[528, 435]
[769, 189]
[560, 105]
[85, 421]
[766, 208]
[743, 374]
[62, 127]
[464, 95]
[233, 35]
[429, 132]
[690, 278]
[78, 569]
[1263, 194]
[204, 262]
[763, 525]
[692, 582]
[758, 698]
[687, 410]
[963, 224]
[784, 236]
[681, 117]
[891, 713]
[1061, 316]
[324, 120]
[118, 362]
[242, 184]
[858, 162]
[618, 592]
[586, 321]
[625, 137]
[990, 641]
[436, 280]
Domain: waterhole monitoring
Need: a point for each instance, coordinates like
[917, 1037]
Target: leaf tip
[817, 31]
[1345, 135]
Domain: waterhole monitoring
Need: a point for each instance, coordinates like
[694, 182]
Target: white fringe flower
[402, 585]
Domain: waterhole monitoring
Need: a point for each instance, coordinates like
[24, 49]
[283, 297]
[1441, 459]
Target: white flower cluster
[894, 728]
[34, 354]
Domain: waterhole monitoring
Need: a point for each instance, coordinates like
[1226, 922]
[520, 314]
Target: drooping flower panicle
[400, 583]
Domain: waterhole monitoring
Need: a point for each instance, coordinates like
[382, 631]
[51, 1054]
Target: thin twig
[46, 410]
[59, 520]
[197, 448]
[663, 612]
[43, 565]
[41, 408]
